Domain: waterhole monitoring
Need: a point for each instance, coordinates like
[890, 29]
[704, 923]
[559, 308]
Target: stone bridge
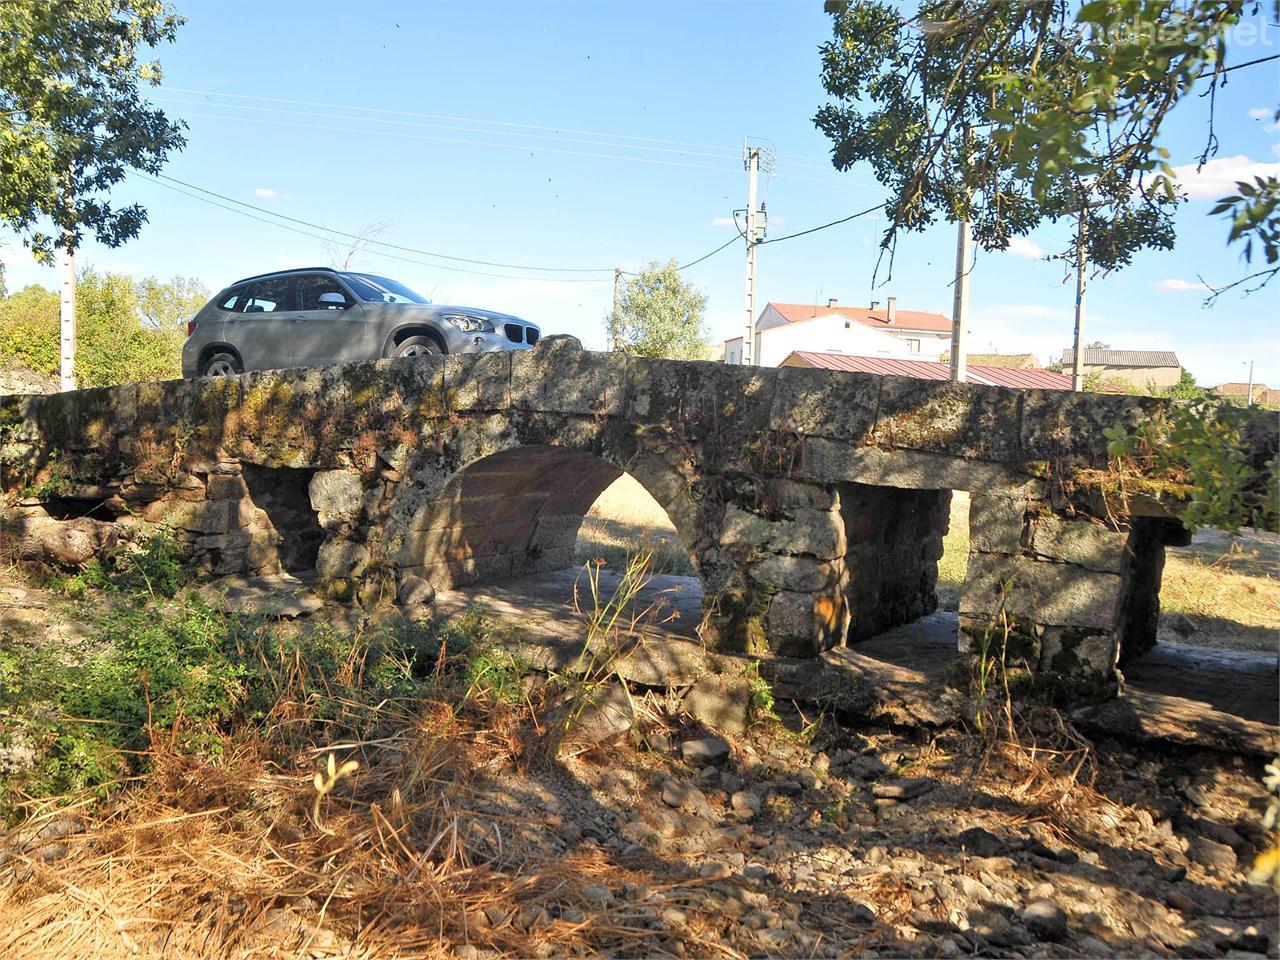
[813, 504]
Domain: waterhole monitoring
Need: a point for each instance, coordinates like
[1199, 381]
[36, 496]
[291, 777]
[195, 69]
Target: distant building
[993, 376]
[783, 328]
[1025, 361]
[1263, 395]
[1136, 367]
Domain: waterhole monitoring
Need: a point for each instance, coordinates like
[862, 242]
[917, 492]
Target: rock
[598, 894]
[708, 750]
[414, 591]
[866, 767]
[1211, 854]
[746, 805]
[336, 496]
[600, 714]
[1046, 920]
[982, 843]
[715, 871]
[720, 702]
[1182, 625]
[683, 796]
[67, 544]
[907, 789]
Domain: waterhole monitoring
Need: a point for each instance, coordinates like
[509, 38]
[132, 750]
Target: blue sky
[446, 167]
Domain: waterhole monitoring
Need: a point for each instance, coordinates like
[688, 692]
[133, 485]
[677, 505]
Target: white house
[783, 328]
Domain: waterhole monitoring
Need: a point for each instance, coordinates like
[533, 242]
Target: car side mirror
[328, 300]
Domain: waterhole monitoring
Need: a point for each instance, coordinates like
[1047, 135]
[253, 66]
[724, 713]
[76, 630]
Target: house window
[913, 346]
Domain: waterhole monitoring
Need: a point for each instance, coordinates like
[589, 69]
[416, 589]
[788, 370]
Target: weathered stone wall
[813, 503]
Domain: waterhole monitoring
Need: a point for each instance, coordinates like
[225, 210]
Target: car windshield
[373, 289]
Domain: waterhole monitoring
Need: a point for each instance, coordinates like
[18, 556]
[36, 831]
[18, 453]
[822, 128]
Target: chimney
[875, 304]
[832, 303]
[893, 308]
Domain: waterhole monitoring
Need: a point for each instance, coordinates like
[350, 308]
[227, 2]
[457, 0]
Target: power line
[390, 256]
[481, 143]
[439, 116]
[833, 223]
[380, 243]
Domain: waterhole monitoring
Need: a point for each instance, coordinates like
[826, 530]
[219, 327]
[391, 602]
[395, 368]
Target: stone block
[701, 400]
[477, 381]
[559, 377]
[1073, 651]
[413, 590]
[1040, 591]
[1080, 542]
[337, 496]
[805, 624]
[817, 533]
[804, 574]
[825, 403]
[957, 419]
[828, 461]
[720, 702]
[784, 495]
[341, 560]
[997, 524]
[1061, 425]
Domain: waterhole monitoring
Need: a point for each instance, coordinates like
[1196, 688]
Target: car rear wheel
[417, 347]
[221, 365]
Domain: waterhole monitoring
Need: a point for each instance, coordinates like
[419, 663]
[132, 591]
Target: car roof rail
[281, 273]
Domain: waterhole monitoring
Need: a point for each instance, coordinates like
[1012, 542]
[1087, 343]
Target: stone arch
[517, 510]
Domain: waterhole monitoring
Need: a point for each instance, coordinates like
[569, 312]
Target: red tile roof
[879, 318]
[932, 370]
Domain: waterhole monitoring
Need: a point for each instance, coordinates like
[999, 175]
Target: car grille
[530, 335]
[514, 332]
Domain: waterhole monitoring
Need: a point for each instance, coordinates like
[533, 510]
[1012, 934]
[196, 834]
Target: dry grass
[626, 521]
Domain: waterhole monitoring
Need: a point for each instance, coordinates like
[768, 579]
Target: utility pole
[67, 348]
[617, 307]
[960, 303]
[1082, 266]
[752, 161]
[960, 299]
[1248, 402]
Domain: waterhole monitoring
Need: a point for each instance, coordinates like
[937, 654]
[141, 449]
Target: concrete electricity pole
[752, 162]
[1082, 266]
[960, 303]
[67, 351]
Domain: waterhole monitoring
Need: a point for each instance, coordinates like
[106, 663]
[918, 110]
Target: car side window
[230, 300]
[269, 296]
[312, 288]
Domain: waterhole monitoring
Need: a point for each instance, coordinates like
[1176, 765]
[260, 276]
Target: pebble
[598, 893]
[746, 805]
[982, 843]
[907, 789]
[1046, 920]
[683, 796]
[715, 871]
[708, 750]
[1211, 854]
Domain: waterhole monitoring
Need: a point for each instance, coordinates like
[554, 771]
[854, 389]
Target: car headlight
[469, 324]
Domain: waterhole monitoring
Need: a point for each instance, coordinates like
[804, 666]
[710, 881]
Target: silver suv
[303, 318]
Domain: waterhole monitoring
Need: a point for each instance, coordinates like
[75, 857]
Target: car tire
[420, 346]
[221, 365]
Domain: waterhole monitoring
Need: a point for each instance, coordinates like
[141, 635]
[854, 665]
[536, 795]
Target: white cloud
[1218, 177]
[266, 193]
[720, 222]
[1024, 247]
[1182, 286]
[1259, 113]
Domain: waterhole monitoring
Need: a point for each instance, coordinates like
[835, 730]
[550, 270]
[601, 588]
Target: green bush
[126, 330]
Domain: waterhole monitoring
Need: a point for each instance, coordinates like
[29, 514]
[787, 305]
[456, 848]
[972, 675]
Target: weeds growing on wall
[1199, 445]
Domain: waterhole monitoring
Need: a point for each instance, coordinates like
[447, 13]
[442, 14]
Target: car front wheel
[417, 347]
[221, 365]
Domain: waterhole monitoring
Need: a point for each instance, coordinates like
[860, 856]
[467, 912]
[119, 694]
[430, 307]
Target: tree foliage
[1011, 113]
[115, 341]
[168, 306]
[660, 315]
[72, 120]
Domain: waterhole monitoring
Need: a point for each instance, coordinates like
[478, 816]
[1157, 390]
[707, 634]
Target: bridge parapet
[812, 503]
